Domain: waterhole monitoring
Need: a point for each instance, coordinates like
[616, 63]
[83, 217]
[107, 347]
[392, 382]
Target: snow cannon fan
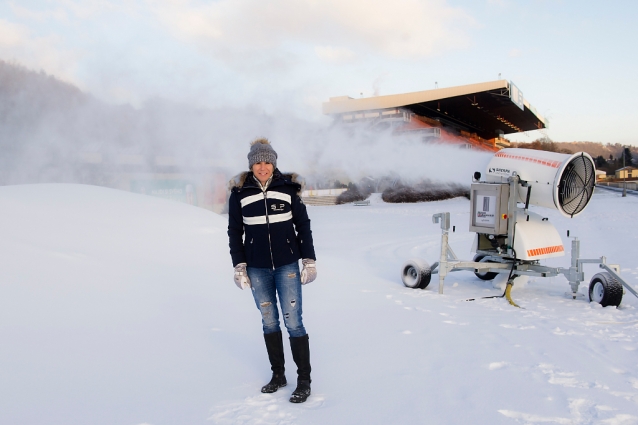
[510, 238]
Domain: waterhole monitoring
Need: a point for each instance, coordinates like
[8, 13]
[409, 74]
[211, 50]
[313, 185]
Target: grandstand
[473, 116]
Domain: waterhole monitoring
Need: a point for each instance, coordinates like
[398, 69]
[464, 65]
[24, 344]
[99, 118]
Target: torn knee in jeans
[265, 308]
[293, 303]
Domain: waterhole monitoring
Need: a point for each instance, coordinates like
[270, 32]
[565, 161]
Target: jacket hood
[242, 179]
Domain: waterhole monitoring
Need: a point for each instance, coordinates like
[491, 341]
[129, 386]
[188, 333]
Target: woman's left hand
[309, 272]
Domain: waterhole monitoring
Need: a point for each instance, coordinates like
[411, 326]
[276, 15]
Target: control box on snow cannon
[510, 238]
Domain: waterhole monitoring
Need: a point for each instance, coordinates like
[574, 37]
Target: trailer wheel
[416, 273]
[482, 258]
[605, 290]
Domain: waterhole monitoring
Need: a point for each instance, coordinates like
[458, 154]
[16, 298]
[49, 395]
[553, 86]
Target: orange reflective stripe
[546, 250]
[546, 162]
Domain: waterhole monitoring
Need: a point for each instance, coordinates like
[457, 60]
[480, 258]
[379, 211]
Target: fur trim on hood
[239, 180]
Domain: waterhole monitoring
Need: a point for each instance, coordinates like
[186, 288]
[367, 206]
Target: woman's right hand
[241, 277]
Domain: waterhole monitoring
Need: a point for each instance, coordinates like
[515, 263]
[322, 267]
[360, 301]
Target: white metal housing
[536, 238]
[560, 181]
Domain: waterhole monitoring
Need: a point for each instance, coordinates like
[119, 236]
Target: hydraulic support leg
[575, 271]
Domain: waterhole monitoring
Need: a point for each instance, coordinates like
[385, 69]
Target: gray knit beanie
[261, 150]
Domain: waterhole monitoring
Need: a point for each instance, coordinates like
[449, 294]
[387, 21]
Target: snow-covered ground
[118, 308]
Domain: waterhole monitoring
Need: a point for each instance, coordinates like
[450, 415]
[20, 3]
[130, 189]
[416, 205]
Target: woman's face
[263, 171]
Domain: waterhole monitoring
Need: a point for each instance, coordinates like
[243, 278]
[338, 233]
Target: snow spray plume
[52, 132]
[358, 152]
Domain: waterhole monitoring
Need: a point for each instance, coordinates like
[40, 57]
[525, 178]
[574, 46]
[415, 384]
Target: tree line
[607, 157]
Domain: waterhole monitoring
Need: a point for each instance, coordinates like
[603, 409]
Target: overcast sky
[575, 61]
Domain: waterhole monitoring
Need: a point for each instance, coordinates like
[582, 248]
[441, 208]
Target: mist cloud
[227, 52]
[19, 43]
[48, 129]
[206, 78]
[232, 29]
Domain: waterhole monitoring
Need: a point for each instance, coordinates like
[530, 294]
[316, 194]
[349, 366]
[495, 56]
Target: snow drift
[119, 308]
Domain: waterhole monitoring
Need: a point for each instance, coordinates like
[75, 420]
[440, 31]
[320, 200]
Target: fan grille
[576, 185]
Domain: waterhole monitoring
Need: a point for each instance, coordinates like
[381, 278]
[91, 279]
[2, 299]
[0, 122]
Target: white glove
[309, 272]
[241, 277]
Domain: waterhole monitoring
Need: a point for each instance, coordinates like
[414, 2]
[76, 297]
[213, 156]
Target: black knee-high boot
[275, 347]
[301, 355]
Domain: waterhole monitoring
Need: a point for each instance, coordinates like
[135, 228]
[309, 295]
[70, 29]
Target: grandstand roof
[486, 109]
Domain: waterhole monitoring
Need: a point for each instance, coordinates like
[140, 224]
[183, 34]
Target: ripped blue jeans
[284, 281]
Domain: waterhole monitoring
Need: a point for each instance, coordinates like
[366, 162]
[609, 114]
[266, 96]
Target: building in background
[627, 173]
[200, 182]
[474, 116]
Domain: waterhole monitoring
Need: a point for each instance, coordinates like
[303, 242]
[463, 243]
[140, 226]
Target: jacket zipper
[268, 226]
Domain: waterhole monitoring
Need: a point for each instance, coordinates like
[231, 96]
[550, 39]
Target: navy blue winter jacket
[274, 224]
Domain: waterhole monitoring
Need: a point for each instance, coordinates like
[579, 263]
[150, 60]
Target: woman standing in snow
[269, 232]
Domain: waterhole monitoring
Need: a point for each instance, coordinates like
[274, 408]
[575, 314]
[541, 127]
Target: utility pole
[624, 186]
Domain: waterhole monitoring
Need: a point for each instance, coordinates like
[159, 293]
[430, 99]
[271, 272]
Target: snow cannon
[547, 179]
[510, 238]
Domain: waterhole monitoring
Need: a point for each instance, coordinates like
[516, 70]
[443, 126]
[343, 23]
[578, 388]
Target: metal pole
[624, 186]
[511, 213]
[574, 271]
[444, 218]
[443, 260]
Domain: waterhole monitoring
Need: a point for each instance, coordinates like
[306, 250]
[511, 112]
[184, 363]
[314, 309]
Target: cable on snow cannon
[510, 238]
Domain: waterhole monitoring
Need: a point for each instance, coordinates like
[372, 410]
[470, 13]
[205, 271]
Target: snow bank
[120, 308]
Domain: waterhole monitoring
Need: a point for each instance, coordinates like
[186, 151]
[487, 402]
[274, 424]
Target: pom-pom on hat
[261, 151]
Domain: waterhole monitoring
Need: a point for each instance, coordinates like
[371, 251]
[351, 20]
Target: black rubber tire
[416, 273]
[605, 290]
[484, 276]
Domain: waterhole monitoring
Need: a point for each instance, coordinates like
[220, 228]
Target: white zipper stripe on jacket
[279, 195]
[272, 259]
[278, 218]
[251, 221]
[263, 190]
[270, 195]
[272, 218]
[250, 199]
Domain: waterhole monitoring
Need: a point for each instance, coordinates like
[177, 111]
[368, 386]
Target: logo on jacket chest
[277, 207]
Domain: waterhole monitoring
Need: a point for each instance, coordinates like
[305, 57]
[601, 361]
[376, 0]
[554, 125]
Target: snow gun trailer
[510, 238]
